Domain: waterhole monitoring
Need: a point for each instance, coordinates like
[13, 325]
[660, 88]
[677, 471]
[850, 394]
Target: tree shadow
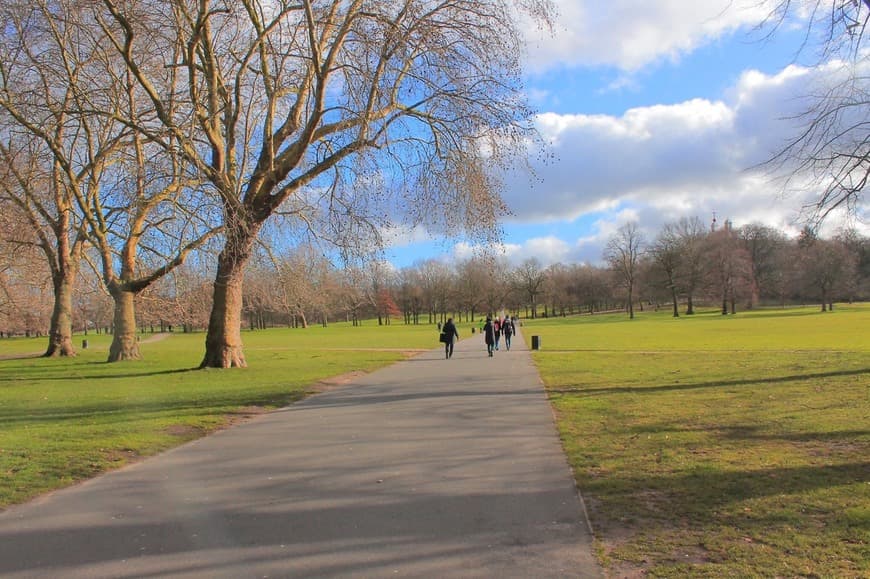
[596, 391]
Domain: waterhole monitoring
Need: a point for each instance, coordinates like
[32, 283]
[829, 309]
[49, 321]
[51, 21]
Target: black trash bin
[84, 344]
[536, 342]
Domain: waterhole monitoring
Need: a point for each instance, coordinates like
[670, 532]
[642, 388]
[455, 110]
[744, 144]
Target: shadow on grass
[143, 410]
[590, 391]
[68, 374]
[700, 497]
[751, 432]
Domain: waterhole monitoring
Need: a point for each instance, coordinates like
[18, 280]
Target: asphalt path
[427, 468]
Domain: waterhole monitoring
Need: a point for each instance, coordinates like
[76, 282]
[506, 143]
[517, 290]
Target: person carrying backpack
[496, 331]
[508, 329]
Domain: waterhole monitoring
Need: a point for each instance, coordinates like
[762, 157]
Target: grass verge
[718, 447]
[65, 420]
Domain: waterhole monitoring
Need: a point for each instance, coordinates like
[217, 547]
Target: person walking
[451, 335]
[496, 330]
[508, 329]
[489, 335]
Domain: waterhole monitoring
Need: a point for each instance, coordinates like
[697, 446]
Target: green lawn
[716, 446]
[64, 420]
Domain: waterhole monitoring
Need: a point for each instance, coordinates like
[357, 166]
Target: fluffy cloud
[676, 158]
[659, 163]
[629, 35]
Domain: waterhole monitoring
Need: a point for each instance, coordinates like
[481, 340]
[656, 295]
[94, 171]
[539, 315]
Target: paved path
[428, 468]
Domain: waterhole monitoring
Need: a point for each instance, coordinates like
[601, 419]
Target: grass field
[704, 446]
[64, 420]
[714, 446]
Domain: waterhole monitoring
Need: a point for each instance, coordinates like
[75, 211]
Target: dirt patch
[334, 382]
[124, 454]
[243, 414]
[183, 430]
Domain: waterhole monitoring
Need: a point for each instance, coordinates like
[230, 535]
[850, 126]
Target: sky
[651, 111]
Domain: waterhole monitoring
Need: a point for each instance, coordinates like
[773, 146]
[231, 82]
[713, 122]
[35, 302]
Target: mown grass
[65, 420]
[718, 446]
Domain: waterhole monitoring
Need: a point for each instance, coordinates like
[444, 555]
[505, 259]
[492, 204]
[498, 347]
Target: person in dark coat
[449, 330]
[489, 335]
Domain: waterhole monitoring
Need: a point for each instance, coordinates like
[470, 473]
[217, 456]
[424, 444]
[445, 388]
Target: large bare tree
[340, 112]
[65, 87]
[32, 188]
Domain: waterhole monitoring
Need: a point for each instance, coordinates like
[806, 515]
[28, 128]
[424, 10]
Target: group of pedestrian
[494, 329]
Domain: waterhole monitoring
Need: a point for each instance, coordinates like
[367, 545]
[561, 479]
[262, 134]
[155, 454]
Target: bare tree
[763, 246]
[530, 277]
[589, 288]
[24, 303]
[63, 86]
[667, 255]
[831, 151]
[474, 278]
[303, 277]
[35, 189]
[556, 288]
[331, 111]
[623, 252]
[411, 294]
[859, 246]
[826, 267]
[727, 266]
[692, 236]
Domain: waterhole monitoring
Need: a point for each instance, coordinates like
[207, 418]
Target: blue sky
[653, 111]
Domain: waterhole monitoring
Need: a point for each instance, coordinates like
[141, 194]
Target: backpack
[507, 326]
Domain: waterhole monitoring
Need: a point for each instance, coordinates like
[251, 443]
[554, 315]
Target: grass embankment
[718, 446]
[65, 420]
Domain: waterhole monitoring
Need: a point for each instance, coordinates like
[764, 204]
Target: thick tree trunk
[690, 306]
[223, 341]
[124, 346]
[676, 304]
[60, 333]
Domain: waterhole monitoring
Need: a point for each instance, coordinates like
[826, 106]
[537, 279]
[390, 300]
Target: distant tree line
[687, 264]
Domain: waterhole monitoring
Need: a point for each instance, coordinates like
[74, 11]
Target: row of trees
[133, 134]
[749, 265]
[684, 265]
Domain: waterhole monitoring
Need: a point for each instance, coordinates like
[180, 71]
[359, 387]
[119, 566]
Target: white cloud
[400, 236]
[549, 249]
[665, 156]
[630, 35]
[659, 163]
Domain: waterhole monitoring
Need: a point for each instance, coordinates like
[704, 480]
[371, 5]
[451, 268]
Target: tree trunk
[124, 344]
[630, 304]
[223, 341]
[676, 305]
[60, 333]
[690, 306]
